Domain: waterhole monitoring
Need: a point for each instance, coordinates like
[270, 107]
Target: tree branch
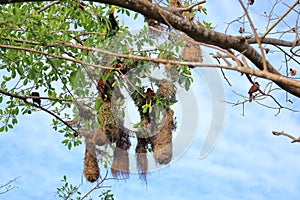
[195, 31]
[7, 186]
[24, 98]
[280, 18]
[287, 135]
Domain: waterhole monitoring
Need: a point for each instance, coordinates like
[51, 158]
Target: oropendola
[36, 100]
[102, 88]
[253, 88]
[113, 22]
[149, 97]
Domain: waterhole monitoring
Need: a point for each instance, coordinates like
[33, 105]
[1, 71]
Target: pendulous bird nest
[120, 165]
[192, 52]
[108, 122]
[91, 169]
[141, 157]
[162, 142]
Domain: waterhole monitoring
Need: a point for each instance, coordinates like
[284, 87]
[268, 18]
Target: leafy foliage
[48, 50]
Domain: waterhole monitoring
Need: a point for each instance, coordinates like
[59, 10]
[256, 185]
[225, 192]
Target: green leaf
[98, 103]
[73, 78]
[69, 145]
[187, 84]
[14, 121]
[145, 108]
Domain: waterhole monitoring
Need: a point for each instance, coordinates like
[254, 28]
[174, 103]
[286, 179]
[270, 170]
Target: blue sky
[248, 162]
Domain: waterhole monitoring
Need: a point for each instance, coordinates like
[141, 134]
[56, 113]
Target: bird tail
[250, 98]
[149, 102]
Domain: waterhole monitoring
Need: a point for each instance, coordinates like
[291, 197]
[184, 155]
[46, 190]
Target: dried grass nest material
[91, 169]
[141, 157]
[192, 52]
[108, 122]
[120, 165]
[162, 142]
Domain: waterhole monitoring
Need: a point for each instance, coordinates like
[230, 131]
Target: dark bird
[254, 88]
[149, 97]
[293, 72]
[250, 2]
[114, 26]
[102, 88]
[36, 100]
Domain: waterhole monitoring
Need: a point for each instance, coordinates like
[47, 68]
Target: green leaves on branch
[185, 78]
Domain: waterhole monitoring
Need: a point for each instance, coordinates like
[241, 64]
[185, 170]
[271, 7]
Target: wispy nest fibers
[141, 157]
[120, 165]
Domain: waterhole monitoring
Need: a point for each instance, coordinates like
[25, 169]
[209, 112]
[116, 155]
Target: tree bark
[195, 31]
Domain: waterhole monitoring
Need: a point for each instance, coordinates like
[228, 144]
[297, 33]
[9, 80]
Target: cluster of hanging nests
[112, 131]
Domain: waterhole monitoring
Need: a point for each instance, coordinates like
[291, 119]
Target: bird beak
[112, 9]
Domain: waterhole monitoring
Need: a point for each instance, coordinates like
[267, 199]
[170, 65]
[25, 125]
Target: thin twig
[52, 55]
[280, 18]
[24, 98]
[97, 186]
[256, 37]
[7, 186]
[48, 6]
[294, 139]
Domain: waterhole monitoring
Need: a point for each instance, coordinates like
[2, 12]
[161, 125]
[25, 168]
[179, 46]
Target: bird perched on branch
[254, 88]
[149, 97]
[36, 100]
[114, 26]
[293, 72]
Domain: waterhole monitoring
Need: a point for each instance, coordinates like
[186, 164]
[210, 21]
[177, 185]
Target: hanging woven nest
[100, 137]
[162, 142]
[91, 169]
[141, 157]
[108, 123]
[192, 52]
[166, 89]
[120, 165]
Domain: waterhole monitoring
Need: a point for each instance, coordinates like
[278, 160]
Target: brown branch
[196, 32]
[272, 41]
[201, 34]
[48, 6]
[52, 55]
[24, 98]
[277, 78]
[256, 37]
[280, 18]
[31, 97]
[294, 139]
[97, 186]
[179, 10]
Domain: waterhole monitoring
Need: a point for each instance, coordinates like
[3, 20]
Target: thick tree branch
[195, 31]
